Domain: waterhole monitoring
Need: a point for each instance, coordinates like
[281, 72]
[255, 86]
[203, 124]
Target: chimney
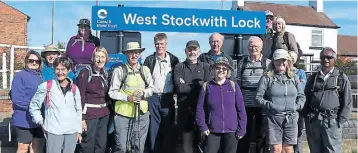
[316, 4]
[237, 4]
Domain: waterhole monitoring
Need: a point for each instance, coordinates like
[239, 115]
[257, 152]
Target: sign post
[113, 18]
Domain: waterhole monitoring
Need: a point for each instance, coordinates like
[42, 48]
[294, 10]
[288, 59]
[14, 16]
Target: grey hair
[253, 38]
[216, 33]
[65, 61]
[329, 49]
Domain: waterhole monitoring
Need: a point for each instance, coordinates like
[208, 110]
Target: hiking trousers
[95, 138]
[226, 142]
[61, 143]
[324, 135]
[125, 133]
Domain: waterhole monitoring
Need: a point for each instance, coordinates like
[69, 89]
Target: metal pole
[92, 21]
[53, 22]
[120, 34]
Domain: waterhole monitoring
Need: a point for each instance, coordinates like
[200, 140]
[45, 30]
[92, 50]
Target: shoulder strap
[124, 70]
[74, 89]
[263, 63]
[287, 42]
[339, 81]
[243, 66]
[233, 85]
[89, 72]
[48, 88]
[314, 80]
[141, 69]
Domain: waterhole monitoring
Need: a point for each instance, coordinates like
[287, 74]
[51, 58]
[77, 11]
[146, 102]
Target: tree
[61, 45]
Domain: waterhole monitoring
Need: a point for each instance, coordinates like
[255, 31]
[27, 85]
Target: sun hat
[50, 48]
[133, 46]
[222, 61]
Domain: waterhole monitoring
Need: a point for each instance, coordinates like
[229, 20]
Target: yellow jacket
[133, 82]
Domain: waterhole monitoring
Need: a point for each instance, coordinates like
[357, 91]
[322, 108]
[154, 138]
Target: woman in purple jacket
[220, 112]
[24, 86]
[80, 47]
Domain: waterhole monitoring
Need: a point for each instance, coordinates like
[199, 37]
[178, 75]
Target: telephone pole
[53, 20]
[92, 21]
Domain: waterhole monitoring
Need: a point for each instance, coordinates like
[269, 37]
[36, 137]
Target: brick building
[13, 25]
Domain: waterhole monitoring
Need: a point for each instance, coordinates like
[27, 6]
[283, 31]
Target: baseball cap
[281, 54]
[192, 43]
[268, 13]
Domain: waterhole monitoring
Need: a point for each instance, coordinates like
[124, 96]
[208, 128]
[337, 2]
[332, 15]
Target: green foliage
[348, 67]
[61, 45]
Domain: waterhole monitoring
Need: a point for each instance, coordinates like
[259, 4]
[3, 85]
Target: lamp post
[92, 21]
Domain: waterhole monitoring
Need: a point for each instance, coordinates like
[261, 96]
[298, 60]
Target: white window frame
[317, 32]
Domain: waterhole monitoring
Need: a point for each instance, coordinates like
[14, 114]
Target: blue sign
[113, 18]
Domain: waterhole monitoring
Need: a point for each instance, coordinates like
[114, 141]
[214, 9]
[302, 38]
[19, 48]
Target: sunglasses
[32, 61]
[327, 57]
[221, 68]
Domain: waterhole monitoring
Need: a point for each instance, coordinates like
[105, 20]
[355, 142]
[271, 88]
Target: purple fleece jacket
[225, 110]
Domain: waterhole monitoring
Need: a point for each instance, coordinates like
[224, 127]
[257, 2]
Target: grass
[348, 146]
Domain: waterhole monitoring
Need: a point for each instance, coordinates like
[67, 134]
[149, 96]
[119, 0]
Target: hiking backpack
[242, 66]
[48, 88]
[338, 81]
[125, 74]
[287, 42]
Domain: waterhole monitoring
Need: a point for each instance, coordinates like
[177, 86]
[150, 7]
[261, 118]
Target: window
[317, 38]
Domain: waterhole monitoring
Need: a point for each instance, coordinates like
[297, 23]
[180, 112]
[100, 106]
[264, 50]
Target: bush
[349, 68]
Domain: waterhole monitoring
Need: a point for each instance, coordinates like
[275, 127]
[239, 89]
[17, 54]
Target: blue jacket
[221, 110]
[24, 86]
[301, 75]
[48, 73]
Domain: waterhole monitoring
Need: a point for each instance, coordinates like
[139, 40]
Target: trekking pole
[138, 132]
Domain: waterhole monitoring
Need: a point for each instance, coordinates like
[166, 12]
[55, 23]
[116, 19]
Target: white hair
[255, 38]
[279, 19]
[216, 33]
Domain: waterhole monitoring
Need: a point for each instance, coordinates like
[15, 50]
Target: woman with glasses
[24, 86]
[220, 112]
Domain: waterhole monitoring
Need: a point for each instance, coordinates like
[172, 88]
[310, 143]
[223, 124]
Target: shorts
[282, 129]
[25, 135]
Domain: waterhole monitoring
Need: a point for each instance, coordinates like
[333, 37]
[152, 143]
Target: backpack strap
[141, 70]
[263, 63]
[124, 70]
[74, 89]
[48, 88]
[233, 85]
[286, 40]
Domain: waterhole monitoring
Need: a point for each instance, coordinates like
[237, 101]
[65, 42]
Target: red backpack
[48, 87]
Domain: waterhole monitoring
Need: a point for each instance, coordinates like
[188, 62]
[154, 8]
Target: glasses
[221, 68]
[327, 57]
[32, 61]
[269, 18]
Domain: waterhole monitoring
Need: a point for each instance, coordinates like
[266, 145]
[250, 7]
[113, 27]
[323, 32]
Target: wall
[13, 26]
[303, 37]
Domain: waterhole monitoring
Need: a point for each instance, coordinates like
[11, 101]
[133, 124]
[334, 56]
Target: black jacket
[207, 58]
[188, 91]
[151, 60]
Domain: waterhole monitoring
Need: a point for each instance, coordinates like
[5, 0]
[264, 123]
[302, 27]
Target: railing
[12, 62]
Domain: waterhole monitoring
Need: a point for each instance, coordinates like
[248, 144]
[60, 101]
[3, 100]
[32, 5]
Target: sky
[68, 13]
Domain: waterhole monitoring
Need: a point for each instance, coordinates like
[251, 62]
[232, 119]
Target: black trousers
[226, 142]
[254, 131]
[94, 140]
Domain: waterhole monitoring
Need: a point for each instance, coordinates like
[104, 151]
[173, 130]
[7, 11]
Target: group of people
[72, 102]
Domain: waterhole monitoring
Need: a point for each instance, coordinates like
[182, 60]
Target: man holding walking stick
[131, 84]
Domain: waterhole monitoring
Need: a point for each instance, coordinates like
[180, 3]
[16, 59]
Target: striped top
[251, 76]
